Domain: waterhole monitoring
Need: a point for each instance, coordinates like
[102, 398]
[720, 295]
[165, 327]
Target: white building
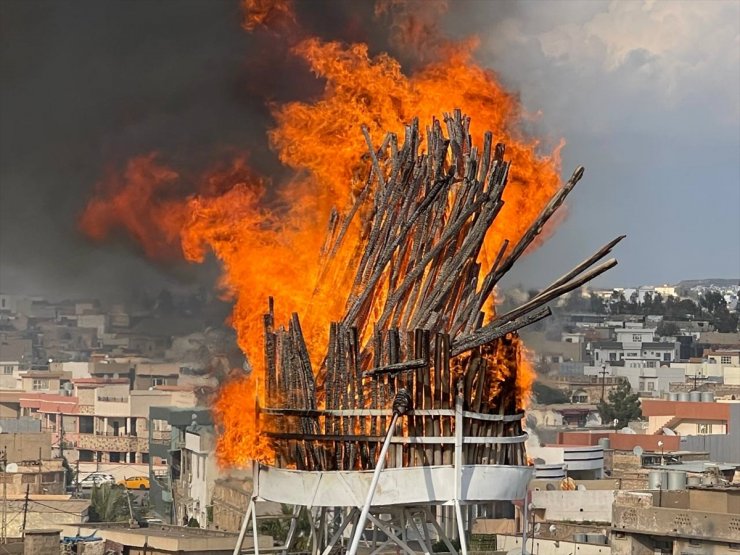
[199, 472]
[718, 365]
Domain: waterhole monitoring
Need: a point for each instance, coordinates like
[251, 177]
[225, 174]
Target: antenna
[638, 451]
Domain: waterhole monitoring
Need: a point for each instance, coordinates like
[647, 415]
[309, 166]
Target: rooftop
[163, 538]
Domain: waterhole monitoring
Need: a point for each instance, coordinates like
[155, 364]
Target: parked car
[96, 479]
[135, 482]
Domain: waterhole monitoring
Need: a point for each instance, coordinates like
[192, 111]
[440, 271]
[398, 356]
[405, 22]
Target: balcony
[110, 442]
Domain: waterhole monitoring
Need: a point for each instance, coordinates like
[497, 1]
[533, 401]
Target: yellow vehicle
[135, 482]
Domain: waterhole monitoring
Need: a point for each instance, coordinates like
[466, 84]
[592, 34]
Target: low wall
[575, 506]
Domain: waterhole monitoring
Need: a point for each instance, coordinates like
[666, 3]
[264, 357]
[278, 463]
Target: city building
[697, 520]
[181, 438]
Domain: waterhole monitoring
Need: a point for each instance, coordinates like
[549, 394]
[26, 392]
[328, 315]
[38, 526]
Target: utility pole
[696, 377]
[130, 508]
[603, 380]
[25, 512]
[4, 532]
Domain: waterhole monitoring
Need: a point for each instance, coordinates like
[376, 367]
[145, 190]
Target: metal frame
[453, 486]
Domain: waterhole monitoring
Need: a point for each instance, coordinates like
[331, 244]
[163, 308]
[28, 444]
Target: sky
[646, 95]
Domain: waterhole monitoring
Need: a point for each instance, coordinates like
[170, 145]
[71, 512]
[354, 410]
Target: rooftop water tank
[658, 479]
[673, 396]
[676, 480]
[605, 443]
[694, 396]
[683, 396]
[707, 397]
[694, 480]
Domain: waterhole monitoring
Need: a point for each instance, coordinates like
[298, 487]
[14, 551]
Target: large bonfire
[389, 236]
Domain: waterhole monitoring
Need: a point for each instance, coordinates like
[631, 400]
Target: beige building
[45, 512]
[161, 540]
[689, 521]
[39, 479]
[113, 421]
[26, 446]
[152, 374]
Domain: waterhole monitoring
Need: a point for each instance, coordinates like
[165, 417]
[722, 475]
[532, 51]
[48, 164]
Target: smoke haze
[645, 95]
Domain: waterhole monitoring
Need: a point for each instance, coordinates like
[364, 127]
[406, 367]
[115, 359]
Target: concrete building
[45, 512]
[591, 503]
[230, 498]
[688, 521]
[549, 350]
[582, 462]
[102, 420]
[161, 540]
[577, 415]
[152, 374]
[171, 493]
[199, 473]
[686, 418]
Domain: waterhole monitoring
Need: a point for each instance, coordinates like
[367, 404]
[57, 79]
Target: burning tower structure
[419, 337]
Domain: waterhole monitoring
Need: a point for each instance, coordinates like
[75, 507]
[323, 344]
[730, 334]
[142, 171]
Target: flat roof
[694, 466]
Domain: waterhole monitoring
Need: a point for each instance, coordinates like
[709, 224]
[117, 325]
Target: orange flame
[273, 248]
[240, 441]
[266, 13]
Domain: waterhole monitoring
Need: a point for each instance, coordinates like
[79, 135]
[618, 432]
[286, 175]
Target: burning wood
[414, 318]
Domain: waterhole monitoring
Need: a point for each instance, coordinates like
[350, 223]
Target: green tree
[667, 329]
[725, 321]
[108, 504]
[623, 406]
[597, 305]
[712, 301]
[547, 395]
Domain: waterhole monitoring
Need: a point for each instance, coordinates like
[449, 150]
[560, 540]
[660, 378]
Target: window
[158, 381]
[666, 357]
[651, 386]
[86, 425]
[725, 360]
[613, 356]
[636, 338]
[704, 428]
[596, 355]
[650, 364]
[642, 385]
[40, 384]
[7, 369]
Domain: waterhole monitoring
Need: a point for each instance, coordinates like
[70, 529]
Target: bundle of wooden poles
[415, 315]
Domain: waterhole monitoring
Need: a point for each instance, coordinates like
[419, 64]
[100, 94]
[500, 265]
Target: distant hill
[689, 283]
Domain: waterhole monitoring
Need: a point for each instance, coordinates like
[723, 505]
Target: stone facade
[230, 500]
[41, 542]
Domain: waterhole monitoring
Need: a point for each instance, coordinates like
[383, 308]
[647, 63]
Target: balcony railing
[113, 399]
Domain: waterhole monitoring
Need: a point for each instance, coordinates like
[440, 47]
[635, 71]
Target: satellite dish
[581, 487]
[11, 468]
[638, 451]
[537, 528]
[627, 430]
[550, 487]
[668, 432]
